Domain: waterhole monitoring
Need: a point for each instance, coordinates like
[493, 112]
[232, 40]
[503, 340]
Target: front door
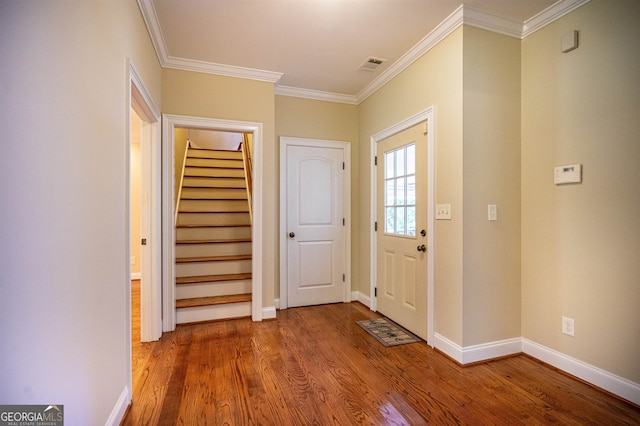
[401, 238]
[315, 229]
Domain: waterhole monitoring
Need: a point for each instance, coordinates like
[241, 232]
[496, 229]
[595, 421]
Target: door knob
[423, 233]
[291, 234]
[422, 248]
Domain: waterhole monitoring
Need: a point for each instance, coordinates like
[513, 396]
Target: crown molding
[316, 95]
[549, 15]
[151, 20]
[487, 21]
[221, 69]
[463, 15]
[153, 27]
[443, 29]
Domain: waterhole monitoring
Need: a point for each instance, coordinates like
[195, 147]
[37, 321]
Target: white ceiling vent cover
[371, 63]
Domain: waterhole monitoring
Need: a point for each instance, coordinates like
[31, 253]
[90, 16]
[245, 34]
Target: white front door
[315, 225]
[401, 238]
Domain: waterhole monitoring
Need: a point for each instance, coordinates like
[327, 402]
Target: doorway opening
[170, 124]
[427, 118]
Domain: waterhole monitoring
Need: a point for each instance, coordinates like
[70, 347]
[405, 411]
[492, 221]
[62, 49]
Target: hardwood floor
[315, 366]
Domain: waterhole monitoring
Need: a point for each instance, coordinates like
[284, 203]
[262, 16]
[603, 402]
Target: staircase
[213, 238]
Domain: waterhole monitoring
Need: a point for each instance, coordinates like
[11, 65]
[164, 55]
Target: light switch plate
[443, 211]
[493, 212]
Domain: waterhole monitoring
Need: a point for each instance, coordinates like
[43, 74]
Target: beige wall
[212, 96]
[433, 80]
[491, 175]
[581, 243]
[64, 304]
[313, 119]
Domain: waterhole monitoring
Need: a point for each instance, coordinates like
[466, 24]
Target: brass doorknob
[291, 234]
[422, 248]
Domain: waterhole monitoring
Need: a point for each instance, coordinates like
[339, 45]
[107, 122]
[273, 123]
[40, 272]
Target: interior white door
[315, 225]
[401, 238]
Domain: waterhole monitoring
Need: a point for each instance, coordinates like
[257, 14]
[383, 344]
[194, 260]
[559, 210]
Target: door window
[400, 191]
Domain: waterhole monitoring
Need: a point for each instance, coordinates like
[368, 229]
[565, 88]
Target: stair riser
[214, 219]
[210, 313]
[216, 233]
[218, 173]
[207, 153]
[212, 162]
[213, 268]
[202, 182]
[221, 288]
[215, 249]
[214, 193]
[214, 206]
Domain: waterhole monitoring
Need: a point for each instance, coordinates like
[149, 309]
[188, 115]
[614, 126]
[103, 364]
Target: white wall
[64, 296]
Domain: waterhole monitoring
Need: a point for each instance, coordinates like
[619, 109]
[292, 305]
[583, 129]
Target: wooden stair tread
[210, 198]
[214, 167]
[212, 300]
[238, 240]
[213, 226]
[212, 278]
[213, 258]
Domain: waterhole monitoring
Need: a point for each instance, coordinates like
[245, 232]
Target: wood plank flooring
[315, 366]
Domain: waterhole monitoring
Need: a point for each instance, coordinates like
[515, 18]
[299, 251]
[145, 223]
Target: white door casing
[151, 267]
[169, 123]
[426, 116]
[314, 222]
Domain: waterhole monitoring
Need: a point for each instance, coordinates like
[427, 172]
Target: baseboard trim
[136, 275]
[595, 376]
[357, 296]
[605, 380]
[269, 312]
[477, 353]
[119, 410]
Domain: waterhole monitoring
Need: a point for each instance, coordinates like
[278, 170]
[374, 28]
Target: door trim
[150, 301]
[286, 141]
[428, 116]
[169, 123]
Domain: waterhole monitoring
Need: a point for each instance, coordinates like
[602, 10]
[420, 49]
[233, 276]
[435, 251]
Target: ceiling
[317, 46]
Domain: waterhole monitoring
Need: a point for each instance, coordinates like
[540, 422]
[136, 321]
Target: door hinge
[344, 277]
[375, 292]
[375, 226]
[375, 160]
[343, 222]
[343, 165]
[143, 242]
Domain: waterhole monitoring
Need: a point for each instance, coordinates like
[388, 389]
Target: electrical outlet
[568, 326]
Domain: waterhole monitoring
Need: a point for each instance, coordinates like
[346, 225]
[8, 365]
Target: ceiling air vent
[371, 63]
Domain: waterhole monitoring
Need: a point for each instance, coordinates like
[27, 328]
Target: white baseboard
[269, 312]
[482, 352]
[136, 275]
[596, 376]
[119, 410]
[476, 353]
[603, 379]
[362, 298]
